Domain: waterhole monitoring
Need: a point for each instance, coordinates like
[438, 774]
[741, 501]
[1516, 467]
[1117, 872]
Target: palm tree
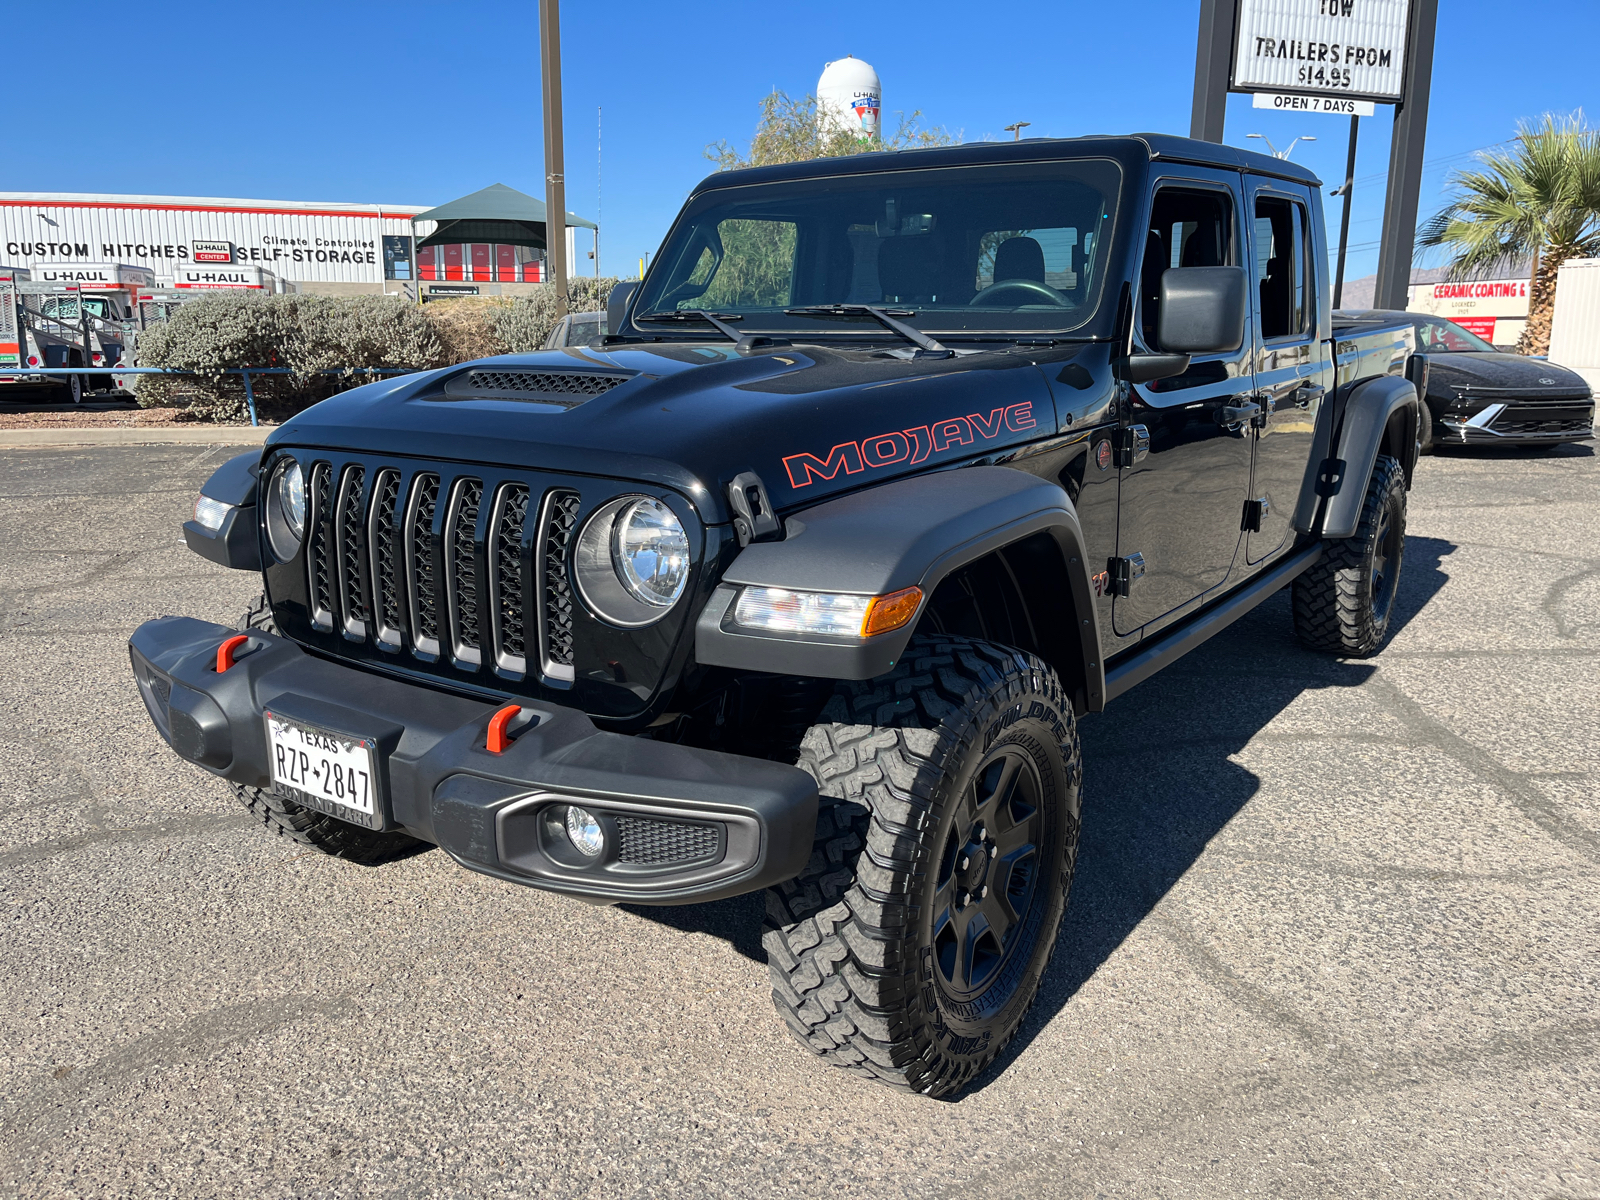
[1538, 200]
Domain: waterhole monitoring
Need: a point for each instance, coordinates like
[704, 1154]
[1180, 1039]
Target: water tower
[850, 96]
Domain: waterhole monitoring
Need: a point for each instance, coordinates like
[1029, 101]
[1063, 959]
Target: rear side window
[1280, 267]
[1188, 228]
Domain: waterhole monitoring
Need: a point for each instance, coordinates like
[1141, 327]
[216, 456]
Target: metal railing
[246, 372]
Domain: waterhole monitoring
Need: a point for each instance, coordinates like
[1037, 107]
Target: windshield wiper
[885, 318]
[720, 320]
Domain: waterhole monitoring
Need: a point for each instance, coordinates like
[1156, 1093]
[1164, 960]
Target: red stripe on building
[275, 212]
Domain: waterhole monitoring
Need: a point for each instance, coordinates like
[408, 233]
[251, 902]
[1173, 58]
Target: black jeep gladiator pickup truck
[891, 469]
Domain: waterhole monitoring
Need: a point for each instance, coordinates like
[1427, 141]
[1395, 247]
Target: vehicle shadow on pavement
[1159, 782]
[1159, 785]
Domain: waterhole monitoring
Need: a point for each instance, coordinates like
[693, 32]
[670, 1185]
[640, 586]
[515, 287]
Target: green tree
[793, 130]
[1539, 200]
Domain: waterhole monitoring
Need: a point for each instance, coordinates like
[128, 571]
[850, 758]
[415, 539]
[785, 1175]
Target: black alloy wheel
[912, 945]
[984, 906]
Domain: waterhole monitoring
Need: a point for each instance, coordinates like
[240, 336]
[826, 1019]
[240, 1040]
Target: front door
[1185, 463]
[1291, 371]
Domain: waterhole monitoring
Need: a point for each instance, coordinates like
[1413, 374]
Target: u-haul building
[188, 241]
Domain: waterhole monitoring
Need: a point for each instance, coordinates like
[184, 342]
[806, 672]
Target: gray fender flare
[1368, 411]
[912, 532]
[234, 544]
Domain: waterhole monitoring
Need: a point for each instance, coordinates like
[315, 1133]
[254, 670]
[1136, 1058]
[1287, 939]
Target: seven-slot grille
[471, 584]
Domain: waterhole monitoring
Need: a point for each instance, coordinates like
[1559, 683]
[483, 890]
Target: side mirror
[1202, 309]
[617, 306]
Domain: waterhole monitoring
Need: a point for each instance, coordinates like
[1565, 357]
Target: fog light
[584, 832]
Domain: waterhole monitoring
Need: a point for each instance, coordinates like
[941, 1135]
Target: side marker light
[226, 651]
[888, 613]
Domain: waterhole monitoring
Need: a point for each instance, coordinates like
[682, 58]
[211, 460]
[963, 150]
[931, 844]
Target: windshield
[65, 309]
[991, 249]
[1444, 337]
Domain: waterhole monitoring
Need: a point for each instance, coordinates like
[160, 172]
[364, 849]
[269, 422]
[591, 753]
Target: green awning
[497, 214]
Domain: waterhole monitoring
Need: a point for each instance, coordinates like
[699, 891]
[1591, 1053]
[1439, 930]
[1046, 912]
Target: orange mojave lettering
[909, 446]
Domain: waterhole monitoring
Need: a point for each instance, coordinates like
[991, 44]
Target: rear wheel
[913, 944]
[1344, 604]
[287, 819]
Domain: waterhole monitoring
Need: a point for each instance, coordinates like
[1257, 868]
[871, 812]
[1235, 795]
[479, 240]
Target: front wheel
[912, 945]
[1345, 603]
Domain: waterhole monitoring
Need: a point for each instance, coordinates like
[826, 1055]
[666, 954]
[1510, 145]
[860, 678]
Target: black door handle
[1307, 392]
[1233, 416]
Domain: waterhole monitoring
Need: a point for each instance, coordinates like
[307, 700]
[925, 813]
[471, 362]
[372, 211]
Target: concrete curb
[145, 435]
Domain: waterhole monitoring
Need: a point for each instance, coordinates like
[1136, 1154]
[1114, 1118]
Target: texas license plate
[332, 773]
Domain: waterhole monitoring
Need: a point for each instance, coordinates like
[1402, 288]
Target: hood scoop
[567, 389]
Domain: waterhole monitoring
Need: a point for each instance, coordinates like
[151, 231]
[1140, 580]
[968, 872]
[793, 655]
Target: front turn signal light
[887, 613]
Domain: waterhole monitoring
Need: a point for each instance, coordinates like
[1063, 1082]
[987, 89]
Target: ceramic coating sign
[1354, 48]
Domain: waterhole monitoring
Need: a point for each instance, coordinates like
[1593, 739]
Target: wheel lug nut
[966, 899]
[983, 891]
[965, 862]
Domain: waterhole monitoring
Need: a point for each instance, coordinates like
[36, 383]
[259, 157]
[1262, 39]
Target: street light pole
[1344, 218]
[555, 186]
[1016, 130]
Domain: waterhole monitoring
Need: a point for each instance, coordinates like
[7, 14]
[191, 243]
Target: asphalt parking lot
[1336, 930]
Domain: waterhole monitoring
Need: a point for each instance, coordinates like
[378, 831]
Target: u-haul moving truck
[206, 277]
[75, 315]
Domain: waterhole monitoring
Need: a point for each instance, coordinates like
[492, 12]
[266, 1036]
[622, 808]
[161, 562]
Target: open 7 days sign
[1354, 49]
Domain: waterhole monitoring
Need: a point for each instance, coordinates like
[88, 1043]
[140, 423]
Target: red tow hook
[225, 651]
[499, 739]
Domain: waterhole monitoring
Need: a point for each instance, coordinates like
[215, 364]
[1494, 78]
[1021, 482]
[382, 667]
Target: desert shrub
[468, 326]
[307, 335]
[524, 324]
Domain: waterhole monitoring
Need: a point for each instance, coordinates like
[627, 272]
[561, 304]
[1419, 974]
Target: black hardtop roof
[1155, 147]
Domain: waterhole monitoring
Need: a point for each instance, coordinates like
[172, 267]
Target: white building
[327, 248]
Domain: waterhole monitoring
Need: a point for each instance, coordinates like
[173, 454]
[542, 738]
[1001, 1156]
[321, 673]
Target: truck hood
[1498, 375]
[811, 420]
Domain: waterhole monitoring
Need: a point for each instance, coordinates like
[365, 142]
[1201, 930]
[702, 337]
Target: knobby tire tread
[1332, 602]
[840, 942]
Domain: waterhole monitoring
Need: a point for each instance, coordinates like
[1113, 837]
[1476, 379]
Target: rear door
[1292, 367]
[1185, 465]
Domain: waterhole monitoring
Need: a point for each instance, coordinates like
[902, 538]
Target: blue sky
[408, 103]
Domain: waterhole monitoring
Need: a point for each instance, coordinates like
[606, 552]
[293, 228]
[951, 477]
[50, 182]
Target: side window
[1280, 267]
[1188, 228]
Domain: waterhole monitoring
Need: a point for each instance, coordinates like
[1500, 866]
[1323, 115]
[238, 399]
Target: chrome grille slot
[319, 568]
[504, 546]
[461, 570]
[384, 537]
[350, 545]
[421, 591]
[558, 521]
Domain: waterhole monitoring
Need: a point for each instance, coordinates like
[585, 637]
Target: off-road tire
[287, 819]
[856, 959]
[1344, 605]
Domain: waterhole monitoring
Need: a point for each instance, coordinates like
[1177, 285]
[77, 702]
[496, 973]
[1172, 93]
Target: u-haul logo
[908, 446]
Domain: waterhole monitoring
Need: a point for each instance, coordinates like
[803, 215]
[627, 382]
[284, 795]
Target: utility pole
[1405, 162]
[555, 184]
[599, 190]
[1213, 54]
[1344, 219]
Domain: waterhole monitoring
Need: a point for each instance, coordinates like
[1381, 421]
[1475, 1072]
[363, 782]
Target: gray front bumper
[711, 825]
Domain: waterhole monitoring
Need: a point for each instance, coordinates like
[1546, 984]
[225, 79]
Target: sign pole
[555, 186]
[1344, 219]
[1405, 162]
[1212, 62]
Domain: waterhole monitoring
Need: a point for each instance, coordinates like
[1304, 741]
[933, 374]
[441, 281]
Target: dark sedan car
[1478, 395]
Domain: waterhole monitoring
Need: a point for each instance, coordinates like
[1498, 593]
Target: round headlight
[651, 552]
[632, 561]
[286, 508]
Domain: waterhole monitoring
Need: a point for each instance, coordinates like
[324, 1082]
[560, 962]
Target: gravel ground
[1336, 929]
